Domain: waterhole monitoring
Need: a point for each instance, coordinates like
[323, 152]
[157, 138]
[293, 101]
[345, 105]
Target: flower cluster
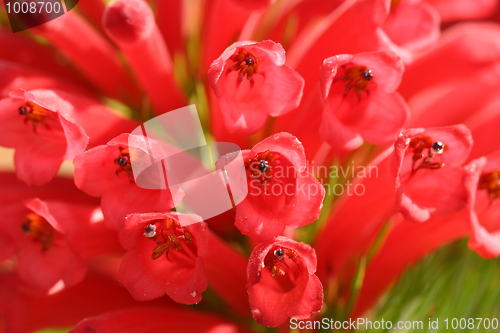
[407, 88]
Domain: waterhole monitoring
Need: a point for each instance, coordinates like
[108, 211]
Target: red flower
[360, 99]
[281, 282]
[280, 191]
[251, 81]
[165, 256]
[41, 127]
[106, 171]
[45, 255]
[413, 25]
[156, 320]
[131, 25]
[430, 177]
[485, 233]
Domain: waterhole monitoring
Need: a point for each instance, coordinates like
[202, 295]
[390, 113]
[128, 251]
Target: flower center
[167, 234]
[39, 230]
[34, 113]
[247, 64]
[259, 167]
[355, 77]
[275, 260]
[491, 183]
[419, 145]
[123, 160]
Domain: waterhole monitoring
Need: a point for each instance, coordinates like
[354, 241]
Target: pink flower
[251, 82]
[280, 191]
[412, 24]
[281, 282]
[430, 177]
[485, 234]
[106, 171]
[45, 255]
[360, 99]
[41, 127]
[164, 257]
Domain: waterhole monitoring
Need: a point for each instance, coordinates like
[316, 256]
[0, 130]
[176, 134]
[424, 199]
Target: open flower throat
[123, 160]
[260, 167]
[419, 146]
[275, 260]
[491, 183]
[247, 64]
[355, 77]
[39, 230]
[168, 235]
[34, 113]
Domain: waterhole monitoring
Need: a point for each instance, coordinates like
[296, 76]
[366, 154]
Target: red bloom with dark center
[360, 99]
[41, 127]
[45, 255]
[106, 171]
[164, 256]
[280, 190]
[251, 82]
[430, 175]
[282, 283]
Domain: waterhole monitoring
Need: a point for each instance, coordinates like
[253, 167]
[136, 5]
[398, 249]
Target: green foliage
[452, 283]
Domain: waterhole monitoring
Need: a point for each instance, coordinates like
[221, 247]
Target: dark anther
[437, 147]
[23, 110]
[279, 253]
[263, 166]
[250, 61]
[368, 75]
[26, 228]
[121, 161]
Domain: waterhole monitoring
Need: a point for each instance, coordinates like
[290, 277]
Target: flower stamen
[434, 148]
[34, 113]
[275, 260]
[260, 167]
[356, 77]
[39, 230]
[123, 160]
[247, 64]
[491, 183]
[167, 234]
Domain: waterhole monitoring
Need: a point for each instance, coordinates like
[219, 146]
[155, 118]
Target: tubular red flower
[41, 127]
[414, 25]
[164, 257]
[280, 190]
[281, 282]
[131, 25]
[93, 56]
[156, 320]
[453, 10]
[430, 177]
[251, 82]
[360, 99]
[16, 76]
[25, 311]
[26, 51]
[106, 171]
[45, 255]
[484, 212]
[226, 274]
